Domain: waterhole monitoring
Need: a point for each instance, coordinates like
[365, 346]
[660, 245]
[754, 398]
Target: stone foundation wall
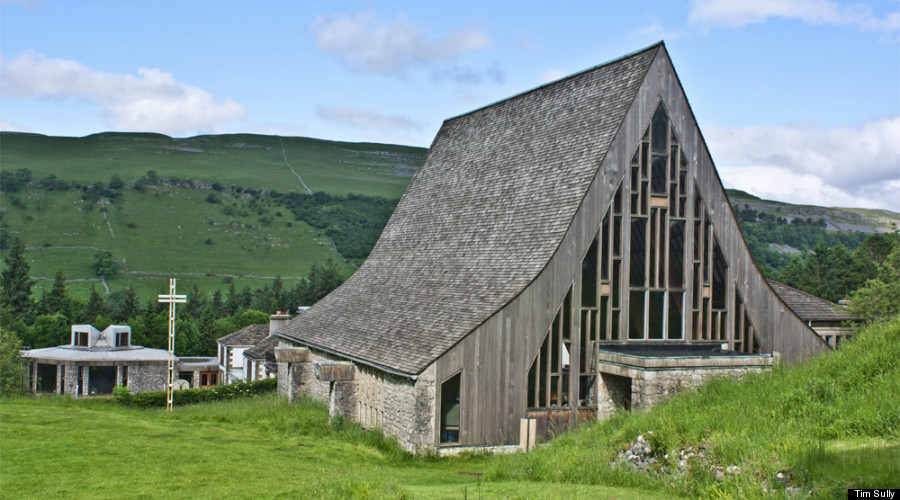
[656, 386]
[642, 389]
[409, 410]
[406, 408]
[613, 392]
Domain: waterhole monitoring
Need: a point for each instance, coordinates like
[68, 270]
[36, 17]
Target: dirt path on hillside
[284, 155]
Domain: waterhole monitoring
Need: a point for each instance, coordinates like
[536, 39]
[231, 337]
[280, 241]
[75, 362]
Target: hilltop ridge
[214, 208]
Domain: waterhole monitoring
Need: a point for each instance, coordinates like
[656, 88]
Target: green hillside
[217, 209]
[246, 160]
[209, 210]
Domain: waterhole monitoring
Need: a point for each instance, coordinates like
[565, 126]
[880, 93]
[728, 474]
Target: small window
[208, 379]
[450, 410]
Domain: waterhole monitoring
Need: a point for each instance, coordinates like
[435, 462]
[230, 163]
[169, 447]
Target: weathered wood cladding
[495, 358]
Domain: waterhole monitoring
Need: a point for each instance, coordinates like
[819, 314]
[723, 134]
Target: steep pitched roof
[479, 221]
[809, 307]
[249, 335]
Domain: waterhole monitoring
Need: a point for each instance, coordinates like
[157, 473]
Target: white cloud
[368, 45]
[809, 164]
[738, 13]
[366, 118]
[12, 127]
[152, 101]
[656, 31]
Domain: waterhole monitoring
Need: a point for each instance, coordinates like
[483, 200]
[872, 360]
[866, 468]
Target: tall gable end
[561, 253]
[479, 221]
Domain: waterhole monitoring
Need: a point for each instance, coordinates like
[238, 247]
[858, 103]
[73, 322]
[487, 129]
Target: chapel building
[559, 255]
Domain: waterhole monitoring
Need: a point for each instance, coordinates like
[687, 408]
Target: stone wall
[409, 410]
[656, 386]
[613, 392]
[406, 408]
[642, 389]
[143, 378]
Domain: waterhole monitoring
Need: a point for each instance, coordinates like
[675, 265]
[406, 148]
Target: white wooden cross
[171, 299]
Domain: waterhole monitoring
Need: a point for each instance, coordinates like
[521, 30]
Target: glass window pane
[636, 315]
[638, 251]
[676, 253]
[655, 318]
[660, 130]
[589, 276]
[658, 175]
[675, 324]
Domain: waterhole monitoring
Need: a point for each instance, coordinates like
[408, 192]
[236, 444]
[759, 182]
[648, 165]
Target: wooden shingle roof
[481, 218]
[249, 335]
[809, 307]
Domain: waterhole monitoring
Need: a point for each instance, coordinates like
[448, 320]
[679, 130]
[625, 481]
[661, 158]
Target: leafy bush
[13, 372]
[152, 399]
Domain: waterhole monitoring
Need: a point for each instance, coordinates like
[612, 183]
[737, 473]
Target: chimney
[278, 320]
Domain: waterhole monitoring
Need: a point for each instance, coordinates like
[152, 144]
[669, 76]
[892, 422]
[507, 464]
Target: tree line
[46, 321]
[869, 276]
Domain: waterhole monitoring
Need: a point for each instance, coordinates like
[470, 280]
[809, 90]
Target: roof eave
[384, 368]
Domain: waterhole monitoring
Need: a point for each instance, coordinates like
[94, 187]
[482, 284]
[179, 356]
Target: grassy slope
[163, 242]
[263, 447]
[252, 161]
[173, 223]
[830, 424]
[875, 219]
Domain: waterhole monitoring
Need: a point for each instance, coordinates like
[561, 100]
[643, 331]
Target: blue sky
[799, 100]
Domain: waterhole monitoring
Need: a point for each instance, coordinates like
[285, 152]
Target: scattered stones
[640, 456]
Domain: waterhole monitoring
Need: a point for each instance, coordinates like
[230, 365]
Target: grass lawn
[260, 448]
[814, 429]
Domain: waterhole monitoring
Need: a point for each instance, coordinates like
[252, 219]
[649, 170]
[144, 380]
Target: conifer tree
[57, 300]
[16, 290]
[95, 306]
[231, 302]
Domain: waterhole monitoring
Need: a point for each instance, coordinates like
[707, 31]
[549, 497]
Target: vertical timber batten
[530, 314]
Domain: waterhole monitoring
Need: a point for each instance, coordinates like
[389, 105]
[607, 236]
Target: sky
[798, 100]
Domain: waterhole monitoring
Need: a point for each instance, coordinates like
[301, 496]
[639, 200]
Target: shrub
[152, 399]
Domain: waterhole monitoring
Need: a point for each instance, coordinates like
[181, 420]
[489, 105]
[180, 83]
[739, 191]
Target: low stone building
[199, 371]
[830, 321]
[95, 362]
[232, 347]
[259, 360]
